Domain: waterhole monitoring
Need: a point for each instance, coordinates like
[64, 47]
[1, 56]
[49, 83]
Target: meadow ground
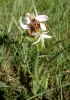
[26, 74]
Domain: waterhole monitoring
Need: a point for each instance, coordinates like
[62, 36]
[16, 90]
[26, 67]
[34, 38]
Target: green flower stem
[36, 63]
[34, 89]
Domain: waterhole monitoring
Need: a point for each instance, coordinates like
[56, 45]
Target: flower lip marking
[34, 26]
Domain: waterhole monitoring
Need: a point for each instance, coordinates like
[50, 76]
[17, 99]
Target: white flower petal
[44, 33]
[35, 34]
[46, 36]
[27, 18]
[28, 14]
[23, 25]
[43, 27]
[42, 18]
[37, 41]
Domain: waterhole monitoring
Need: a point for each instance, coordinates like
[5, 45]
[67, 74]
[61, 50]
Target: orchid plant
[36, 29]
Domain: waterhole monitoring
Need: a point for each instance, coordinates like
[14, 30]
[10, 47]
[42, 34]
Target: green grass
[17, 54]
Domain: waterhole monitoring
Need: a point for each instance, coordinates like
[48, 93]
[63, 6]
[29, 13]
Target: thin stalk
[36, 63]
[34, 89]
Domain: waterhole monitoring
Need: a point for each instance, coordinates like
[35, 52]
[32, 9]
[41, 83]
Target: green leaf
[47, 50]
[30, 39]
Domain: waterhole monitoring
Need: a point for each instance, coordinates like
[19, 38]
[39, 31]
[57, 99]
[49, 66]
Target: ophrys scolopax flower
[34, 23]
